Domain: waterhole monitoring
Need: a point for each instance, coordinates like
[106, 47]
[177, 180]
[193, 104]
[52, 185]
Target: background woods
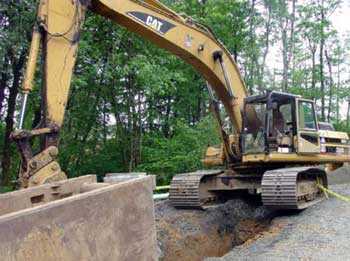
[134, 107]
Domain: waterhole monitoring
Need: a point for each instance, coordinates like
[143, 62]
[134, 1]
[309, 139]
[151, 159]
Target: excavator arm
[58, 31]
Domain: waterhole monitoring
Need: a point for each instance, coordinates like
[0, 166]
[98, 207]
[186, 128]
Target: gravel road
[318, 233]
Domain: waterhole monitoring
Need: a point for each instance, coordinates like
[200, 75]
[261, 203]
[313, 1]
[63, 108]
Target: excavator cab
[282, 123]
[279, 130]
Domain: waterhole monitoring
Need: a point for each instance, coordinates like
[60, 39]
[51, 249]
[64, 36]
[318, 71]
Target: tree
[134, 106]
[16, 34]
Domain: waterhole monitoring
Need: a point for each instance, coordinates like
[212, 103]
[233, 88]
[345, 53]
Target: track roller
[293, 188]
[189, 190]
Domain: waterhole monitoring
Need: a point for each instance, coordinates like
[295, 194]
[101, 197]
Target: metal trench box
[79, 219]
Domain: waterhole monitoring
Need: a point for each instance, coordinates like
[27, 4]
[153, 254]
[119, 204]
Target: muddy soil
[196, 234]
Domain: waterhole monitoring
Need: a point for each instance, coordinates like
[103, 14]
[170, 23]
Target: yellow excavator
[272, 145]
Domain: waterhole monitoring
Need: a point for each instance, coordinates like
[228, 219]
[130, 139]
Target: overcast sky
[341, 17]
[341, 22]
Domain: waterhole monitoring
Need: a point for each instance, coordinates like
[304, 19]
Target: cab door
[308, 138]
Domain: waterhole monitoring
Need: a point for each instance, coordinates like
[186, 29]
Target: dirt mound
[196, 234]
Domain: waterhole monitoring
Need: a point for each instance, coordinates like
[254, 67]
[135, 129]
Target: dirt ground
[318, 233]
[340, 176]
[243, 228]
[195, 234]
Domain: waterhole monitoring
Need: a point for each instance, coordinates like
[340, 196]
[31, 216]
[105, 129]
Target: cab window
[286, 110]
[306, 115]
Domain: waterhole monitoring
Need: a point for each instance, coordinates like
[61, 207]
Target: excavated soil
[320, 232]
[196, 234]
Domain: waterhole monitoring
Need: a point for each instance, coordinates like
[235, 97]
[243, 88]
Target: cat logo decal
[156, 23]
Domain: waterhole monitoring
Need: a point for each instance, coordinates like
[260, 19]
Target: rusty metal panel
[31, 197]
[115, 222]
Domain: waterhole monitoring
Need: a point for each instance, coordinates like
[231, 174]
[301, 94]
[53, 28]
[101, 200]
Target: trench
[196, 234]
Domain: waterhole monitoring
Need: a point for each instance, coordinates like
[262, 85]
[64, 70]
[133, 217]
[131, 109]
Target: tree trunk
[348, 116]
[140, 128]
[251, 71]
[285, 64]
[166, 129]
[292, 41]
[199, 107]
[329, 62]
[131, 121]
[17, 66]
[338, 86]
[3, 81]
[322, 43]
[287, 40]
[267, 46]
[313, 80]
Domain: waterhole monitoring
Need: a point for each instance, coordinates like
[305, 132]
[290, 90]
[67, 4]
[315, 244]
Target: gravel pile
[318, 233]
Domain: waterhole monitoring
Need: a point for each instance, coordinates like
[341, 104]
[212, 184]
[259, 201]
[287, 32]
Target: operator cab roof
[281, 97]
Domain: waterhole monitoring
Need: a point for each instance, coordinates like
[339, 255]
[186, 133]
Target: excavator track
[185, 189]
[293, 188]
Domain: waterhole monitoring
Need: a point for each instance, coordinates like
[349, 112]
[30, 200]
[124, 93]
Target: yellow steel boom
[59, 26]
[153, 21]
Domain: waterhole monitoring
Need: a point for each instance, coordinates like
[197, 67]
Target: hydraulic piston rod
[218, 56]
[29, 73]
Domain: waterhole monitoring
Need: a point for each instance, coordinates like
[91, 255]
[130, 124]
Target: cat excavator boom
[274, 142]
[58, 31]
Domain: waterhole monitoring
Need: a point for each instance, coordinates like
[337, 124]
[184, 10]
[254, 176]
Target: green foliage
[5, 189]
[134, 106]
[342, 126]
[181, 153]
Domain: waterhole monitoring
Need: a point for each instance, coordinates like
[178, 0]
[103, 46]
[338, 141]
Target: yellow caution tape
[327, 192]
[162, 188]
